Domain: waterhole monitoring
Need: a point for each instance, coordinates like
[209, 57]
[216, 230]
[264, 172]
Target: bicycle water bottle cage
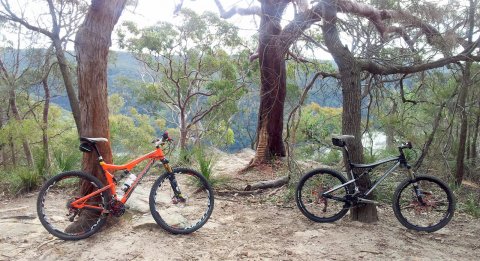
[339, 140]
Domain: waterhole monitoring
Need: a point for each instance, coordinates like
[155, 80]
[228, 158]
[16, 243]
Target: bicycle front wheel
[429, 209]
[58, 216]
[310, 199]
[182, 201]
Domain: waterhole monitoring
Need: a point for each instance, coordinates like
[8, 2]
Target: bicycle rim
[62, 220]
[315, 206]
[181, 213]
[433, 213]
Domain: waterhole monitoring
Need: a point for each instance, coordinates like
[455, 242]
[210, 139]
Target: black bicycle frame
[400, 162]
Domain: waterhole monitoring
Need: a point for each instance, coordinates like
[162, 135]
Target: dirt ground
[253, 227]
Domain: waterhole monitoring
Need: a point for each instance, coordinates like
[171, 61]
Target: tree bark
[67, 80]
[92, 43]
[16, 115]
[273, 84]
[466, 81]
[462, 139]
[3, 157]
[45, 141]
[428, 143]
[349, 69]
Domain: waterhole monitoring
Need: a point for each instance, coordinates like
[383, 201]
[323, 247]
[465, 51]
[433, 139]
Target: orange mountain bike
[74, 205]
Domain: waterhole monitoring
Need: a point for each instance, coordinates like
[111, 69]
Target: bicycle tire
[307, 195]
[188, 214]
[414, 214]
[54, 213]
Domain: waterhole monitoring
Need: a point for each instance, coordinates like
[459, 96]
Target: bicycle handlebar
[162, 140]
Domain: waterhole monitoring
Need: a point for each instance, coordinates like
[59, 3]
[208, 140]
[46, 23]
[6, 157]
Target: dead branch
[268, 184]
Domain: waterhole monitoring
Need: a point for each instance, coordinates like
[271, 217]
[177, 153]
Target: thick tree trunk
[273, 81]
[16, 115]
[352, 96]
[46, 107]
[67, 80]
[92, 43]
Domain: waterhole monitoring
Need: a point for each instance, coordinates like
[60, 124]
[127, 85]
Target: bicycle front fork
[416, 188]
[178, 197]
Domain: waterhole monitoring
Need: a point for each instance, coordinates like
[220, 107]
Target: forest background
[413, 76]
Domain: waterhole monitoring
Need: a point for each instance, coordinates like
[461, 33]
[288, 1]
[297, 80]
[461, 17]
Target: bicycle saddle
[93, 140]
[339, 140]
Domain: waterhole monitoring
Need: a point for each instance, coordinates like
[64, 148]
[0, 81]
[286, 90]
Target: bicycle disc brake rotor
[428, 204]
[320, 199]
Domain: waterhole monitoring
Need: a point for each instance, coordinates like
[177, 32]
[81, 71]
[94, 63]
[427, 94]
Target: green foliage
[67, 160]
[193, 70]
[332, 157]
[471, 205]
[205, 161]
[130, 133]
[316, 126]
[20, 180]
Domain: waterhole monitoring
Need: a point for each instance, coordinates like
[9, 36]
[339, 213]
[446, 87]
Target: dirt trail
[241, 228]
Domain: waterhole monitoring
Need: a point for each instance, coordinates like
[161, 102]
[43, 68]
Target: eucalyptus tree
[92, 44]
[191, 68]
[58, 21]
[408, 24]
[15, 72]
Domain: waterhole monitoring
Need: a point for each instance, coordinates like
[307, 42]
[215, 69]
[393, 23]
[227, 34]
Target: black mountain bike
[422, 203]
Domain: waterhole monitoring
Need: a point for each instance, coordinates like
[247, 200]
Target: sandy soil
[254, 227]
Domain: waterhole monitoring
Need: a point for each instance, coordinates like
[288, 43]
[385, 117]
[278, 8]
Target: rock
[145, 222]
[138, 201]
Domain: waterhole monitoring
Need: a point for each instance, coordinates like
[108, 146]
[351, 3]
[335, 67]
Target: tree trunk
[46, 107]
[428, 143]
[16, 115]
[474, 152]
[92, 43]
[462, 140]
[389, 130]
[67, 80]
[3, 157]
[12, 151]
[273, 84]
[183, 130]
[352, 97]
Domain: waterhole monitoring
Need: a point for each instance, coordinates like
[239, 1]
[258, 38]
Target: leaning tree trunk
[67, 80]
[92, 43]
[273, 84]
[352, 97]
[46, 107]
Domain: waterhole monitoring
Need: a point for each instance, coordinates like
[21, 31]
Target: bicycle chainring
[117, 208]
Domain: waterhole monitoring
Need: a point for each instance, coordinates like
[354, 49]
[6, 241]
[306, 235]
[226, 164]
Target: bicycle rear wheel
[59, 217]
[182, 201]
[310, 200]
[433, 213]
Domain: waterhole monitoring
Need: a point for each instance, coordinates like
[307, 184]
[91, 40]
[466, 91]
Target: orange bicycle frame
[108, 169]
